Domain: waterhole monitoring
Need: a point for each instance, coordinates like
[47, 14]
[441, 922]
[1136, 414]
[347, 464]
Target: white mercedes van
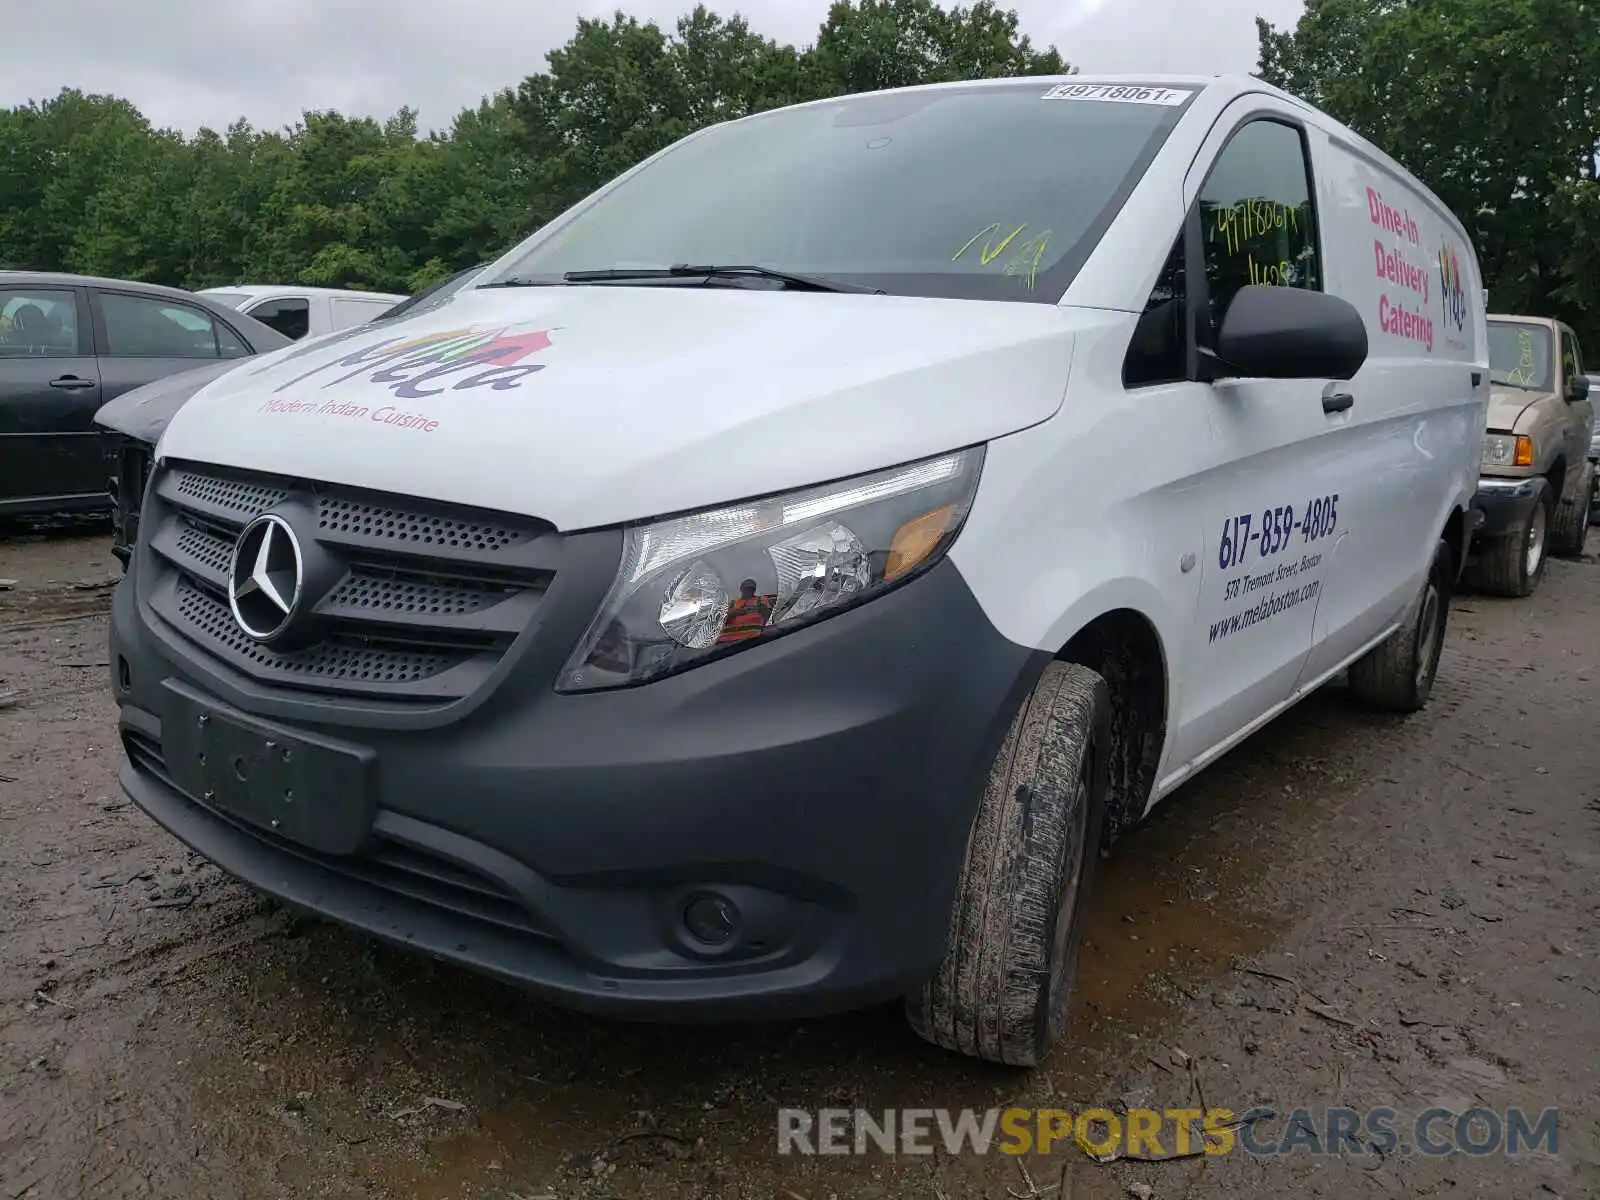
[765, 589]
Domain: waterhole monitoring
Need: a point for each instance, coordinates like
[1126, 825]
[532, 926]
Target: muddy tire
[1398, 673]
[1001, 992]
[1570, 524]
[1513, 566]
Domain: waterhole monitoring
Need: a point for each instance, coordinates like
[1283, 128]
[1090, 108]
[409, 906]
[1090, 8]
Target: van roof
[291, 289]
[1232, 83]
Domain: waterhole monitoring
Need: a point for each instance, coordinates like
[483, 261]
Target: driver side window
[1258, 221]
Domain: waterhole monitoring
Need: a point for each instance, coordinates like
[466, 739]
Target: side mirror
[1578, 389]
[1290, 333]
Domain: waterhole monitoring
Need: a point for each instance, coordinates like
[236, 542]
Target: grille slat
[384, 523]
[427, 599]
[374, 667]
[232, 501]
[195, 549]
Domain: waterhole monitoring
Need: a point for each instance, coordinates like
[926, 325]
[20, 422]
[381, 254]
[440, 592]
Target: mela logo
[1451, 294]
[458, 360]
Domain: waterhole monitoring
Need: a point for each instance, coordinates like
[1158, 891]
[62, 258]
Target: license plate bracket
[310, 790]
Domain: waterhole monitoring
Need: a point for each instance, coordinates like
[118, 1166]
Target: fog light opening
[711, 919]
[124, 673]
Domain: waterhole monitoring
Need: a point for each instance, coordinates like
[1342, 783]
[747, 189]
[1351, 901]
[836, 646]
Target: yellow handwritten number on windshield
[1522, 374]
[1026, 254]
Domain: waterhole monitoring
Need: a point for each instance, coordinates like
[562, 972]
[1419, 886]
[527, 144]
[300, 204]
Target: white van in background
[763, 592]
[298, 312]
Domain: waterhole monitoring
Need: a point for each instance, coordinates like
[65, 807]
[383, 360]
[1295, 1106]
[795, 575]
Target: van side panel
[1093, 510]
[1414, 432]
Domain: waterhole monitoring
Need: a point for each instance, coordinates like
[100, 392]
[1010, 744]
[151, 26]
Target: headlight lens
[700, 586]
[1507, 450]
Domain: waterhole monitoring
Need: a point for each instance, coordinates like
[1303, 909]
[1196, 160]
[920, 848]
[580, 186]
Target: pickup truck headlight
[1507, 450]
[700, 586]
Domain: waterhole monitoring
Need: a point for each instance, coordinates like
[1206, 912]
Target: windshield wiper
[811, 283]
[523, 281]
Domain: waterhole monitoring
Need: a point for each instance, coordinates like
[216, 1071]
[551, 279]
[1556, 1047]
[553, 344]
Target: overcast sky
[188, 63]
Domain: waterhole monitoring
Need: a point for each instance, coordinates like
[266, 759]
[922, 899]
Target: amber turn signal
[917, 539]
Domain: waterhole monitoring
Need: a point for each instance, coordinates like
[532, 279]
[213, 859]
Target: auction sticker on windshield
[1119, 93]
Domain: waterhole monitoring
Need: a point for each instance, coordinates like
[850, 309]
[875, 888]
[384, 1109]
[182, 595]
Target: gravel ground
[1346, 911]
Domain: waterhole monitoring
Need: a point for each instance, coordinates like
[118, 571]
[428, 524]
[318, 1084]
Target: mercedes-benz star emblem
[266, 577]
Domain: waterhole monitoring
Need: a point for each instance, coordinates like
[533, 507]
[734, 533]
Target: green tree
[1495, 104]
[870, 44]
[86, 183]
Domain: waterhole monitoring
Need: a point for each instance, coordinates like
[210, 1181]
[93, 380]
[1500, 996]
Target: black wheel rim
[1428, 637]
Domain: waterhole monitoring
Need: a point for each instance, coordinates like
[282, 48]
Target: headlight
[700, 586]
[1507, 450]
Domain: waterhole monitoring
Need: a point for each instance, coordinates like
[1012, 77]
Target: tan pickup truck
[1536, 476]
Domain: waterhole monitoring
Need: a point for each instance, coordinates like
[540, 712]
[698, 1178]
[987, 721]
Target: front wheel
[1514, 565]
[1001, 992]
[1398, 673]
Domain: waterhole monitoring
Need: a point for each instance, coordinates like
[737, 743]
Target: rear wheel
[1571, 523]
[1001, 992]
[1514, 565]
[1398, 673]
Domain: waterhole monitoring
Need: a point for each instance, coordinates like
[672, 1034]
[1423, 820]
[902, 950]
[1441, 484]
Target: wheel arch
[1557, 476]
[1457, 534]
[1124, 646]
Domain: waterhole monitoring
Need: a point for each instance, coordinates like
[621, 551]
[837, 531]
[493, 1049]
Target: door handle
[1337, 402]
[71, 383]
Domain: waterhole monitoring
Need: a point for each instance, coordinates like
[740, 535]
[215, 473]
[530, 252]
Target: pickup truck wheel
[1571, 523]
[1398, 673]
[1001, 992]
[1513, 566]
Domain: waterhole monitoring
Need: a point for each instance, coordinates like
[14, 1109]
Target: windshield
[231, 299]
[976, 192]
[1520, 355]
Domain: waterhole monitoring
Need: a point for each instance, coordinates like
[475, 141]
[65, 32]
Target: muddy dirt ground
[1347, 911]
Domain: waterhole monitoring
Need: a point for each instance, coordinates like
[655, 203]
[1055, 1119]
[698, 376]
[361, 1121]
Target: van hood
[593, 405]
[1507, 404]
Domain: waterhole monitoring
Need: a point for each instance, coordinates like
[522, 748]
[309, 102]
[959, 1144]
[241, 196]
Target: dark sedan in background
[71, 343]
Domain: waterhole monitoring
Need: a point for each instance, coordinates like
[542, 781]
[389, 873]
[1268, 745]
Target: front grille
[424, 599]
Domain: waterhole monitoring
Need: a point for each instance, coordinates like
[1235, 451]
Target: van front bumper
[816, 792]
[1503, 505]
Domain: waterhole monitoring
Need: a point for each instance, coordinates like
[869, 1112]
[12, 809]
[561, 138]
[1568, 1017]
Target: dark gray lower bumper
[824, 784]
[1504, 504]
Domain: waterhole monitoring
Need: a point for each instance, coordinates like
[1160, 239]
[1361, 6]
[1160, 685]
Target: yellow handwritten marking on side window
[1521, 375]
[1025, 256]
[1239, 223]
